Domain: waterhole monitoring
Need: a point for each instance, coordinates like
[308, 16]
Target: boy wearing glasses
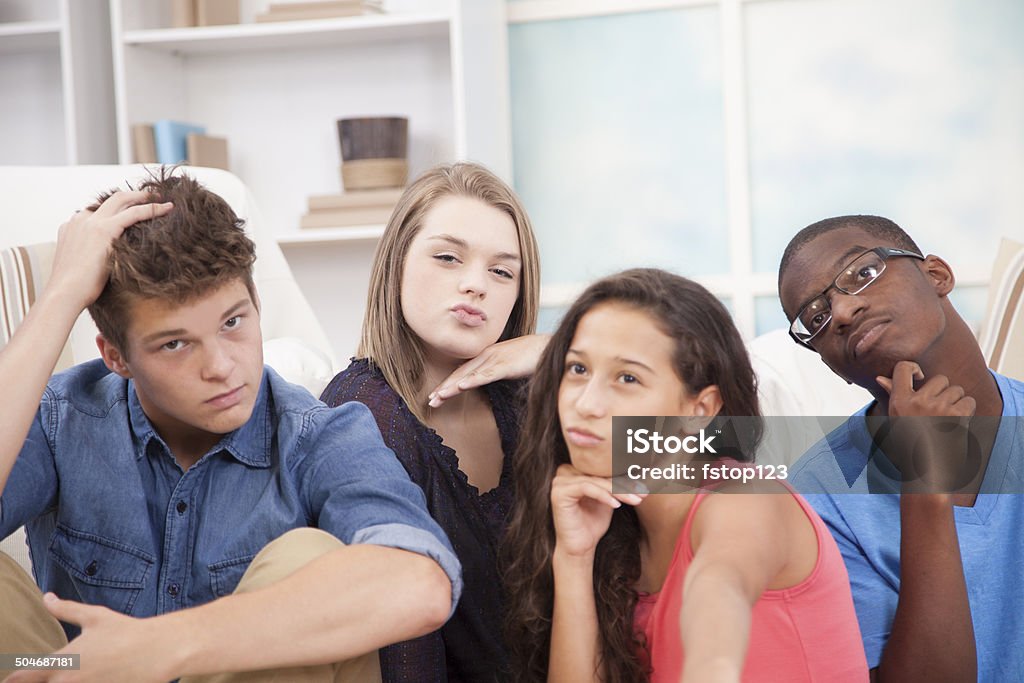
[917, 506]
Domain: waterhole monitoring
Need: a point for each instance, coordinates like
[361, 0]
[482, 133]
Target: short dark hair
[176, 258]
[875, 226]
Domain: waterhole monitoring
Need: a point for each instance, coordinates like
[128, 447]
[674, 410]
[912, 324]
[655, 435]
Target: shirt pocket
[225, 575]
[103, 571]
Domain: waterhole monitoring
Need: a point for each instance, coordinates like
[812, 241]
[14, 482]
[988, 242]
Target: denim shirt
[112, 520]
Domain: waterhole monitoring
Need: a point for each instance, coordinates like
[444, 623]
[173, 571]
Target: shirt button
[91, 569]
[173, 589]
[181, 507]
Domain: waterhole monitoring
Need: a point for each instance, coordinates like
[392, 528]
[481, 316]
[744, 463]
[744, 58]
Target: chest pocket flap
[105, 572]
[225, 575]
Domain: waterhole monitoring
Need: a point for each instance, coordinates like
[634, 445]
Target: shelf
[291, 34]
[275, 89]
[22, 36]
[332, 235]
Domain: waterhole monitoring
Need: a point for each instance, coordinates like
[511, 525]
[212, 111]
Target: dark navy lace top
[469, 647]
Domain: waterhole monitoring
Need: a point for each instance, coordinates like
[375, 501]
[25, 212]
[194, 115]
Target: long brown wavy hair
[709, 351]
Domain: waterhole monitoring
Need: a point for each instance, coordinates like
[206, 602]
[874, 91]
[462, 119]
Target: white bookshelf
[275, 91]
[289, 34]
[29, 36]
[322, 236]
[56, 83]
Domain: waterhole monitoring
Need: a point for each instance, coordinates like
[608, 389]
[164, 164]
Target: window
[622, 111]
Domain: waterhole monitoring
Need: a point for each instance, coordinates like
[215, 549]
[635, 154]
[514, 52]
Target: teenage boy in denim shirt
[177, 478]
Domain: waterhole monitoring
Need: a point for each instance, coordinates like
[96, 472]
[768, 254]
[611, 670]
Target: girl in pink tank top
[737, 582]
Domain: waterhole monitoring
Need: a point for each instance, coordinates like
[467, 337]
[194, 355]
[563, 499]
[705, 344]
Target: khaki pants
[26, 627]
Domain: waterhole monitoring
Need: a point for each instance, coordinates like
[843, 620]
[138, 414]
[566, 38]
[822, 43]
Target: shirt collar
[249, 444]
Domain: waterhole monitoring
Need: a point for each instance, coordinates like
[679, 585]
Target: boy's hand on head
[80, 265]
[509, 359]
[112, 647]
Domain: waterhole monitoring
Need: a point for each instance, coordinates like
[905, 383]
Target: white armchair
[35, 201]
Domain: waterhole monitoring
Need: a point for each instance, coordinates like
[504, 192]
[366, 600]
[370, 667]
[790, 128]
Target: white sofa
[792, 380]
[35, 201]
[797, 393]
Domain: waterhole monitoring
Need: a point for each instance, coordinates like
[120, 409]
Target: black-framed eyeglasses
[852, 279]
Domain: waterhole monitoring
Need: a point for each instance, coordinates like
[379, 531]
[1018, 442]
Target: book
[310, 10]
[346, 218]
[169, 136]
[216, 12]
[183, 13]
[143, 143]
[383, 198]
[205, 150]
[318, 5]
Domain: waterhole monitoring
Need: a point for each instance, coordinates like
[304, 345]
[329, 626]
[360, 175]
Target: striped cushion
[1002, 335]
[24, 271]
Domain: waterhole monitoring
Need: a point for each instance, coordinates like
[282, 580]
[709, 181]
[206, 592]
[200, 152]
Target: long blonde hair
[387, 341]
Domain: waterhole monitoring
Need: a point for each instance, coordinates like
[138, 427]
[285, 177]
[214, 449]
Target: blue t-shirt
[112, 520]
[867, 529]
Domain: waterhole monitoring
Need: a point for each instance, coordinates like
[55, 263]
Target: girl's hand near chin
[509, 359]
[582, 506]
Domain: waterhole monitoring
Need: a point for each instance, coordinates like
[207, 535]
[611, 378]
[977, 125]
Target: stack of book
[186, 13]
[319, 9]
[173, 142]
[356, 207]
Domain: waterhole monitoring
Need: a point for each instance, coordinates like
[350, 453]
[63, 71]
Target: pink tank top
[805, 633]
